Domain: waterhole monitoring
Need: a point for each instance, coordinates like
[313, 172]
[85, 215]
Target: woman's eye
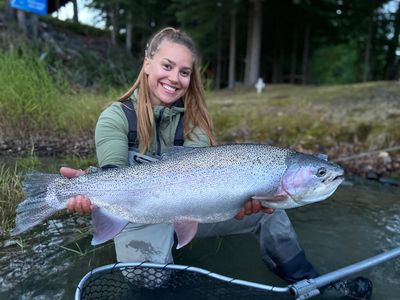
[185, 73]
[167, 67]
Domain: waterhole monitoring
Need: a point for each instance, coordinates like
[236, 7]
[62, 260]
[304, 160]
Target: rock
[389, 181]
[372, 175]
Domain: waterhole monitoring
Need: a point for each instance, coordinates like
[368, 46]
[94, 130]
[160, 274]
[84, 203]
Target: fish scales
[197, 185]
[223, 171]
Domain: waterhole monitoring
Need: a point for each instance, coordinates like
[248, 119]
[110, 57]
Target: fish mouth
[338, 177]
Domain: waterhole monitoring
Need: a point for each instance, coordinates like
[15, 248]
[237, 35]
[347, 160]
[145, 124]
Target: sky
[88, 16]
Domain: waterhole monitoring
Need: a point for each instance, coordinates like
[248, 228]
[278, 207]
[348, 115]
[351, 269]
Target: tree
[254, 46]
[232, 50]
[75, 8]
[392, 63]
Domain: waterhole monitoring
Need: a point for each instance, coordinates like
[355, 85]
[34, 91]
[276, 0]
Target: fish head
[310, 178]
[307, 179]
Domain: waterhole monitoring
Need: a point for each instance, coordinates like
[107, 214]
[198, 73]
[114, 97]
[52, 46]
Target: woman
[170, 75]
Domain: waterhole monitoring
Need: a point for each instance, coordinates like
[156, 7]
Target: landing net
[149, 281]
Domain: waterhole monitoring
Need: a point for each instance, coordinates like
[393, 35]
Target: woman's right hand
[78, 204]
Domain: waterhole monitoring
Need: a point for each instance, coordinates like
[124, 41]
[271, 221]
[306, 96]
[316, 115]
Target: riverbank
[370, 164]
[356, 125]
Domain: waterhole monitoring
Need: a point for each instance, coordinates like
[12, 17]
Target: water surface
[360, 220]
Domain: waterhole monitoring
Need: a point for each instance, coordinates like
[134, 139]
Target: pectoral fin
[105, 225]
[269, 197]
[185, 231]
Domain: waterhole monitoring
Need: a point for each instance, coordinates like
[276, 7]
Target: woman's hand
[79, 204]
[252, 207]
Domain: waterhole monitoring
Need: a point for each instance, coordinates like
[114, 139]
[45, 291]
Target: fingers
[79, 204]
[252, 207]
[240, 215]
[267, 210]
[70, 172]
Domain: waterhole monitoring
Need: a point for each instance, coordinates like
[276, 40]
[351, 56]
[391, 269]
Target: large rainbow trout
[189, 186]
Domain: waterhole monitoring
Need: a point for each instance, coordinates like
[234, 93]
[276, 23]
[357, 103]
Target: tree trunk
[218, 69]
[9, 12]
[293, 61]
[34, 25]
[255, 49]
[275, 58]
[114, 23]
[129, 28]
[390, 68]
[281, 56]
[232, 51]
[21, 18]
[248, 45]
[367, 53]
[75, 7]
[306, 52]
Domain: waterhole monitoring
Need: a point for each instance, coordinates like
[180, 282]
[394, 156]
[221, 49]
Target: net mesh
[141, 282]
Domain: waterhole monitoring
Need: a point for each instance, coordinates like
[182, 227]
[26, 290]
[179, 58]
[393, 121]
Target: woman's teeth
[169, 88]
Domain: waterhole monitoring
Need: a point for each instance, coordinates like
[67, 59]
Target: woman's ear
[146, 66]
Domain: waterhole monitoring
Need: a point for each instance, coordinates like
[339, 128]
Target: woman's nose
[174, 76]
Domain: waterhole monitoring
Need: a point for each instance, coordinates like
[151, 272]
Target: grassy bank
[32, 106]
[367, 114]
[34, 102]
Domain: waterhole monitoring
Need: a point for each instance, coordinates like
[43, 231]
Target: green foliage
[29, 97]
[335, 64]
[37, 98]
[10, 195]
[28, 163]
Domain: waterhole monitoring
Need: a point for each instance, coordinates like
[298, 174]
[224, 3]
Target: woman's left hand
[252, 207]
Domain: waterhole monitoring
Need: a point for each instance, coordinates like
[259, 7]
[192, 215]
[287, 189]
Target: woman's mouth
[168, 88]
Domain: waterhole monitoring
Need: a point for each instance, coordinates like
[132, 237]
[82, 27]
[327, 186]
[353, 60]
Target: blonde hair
[196, 112]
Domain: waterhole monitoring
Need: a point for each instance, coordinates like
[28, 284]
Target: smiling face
[169, 72]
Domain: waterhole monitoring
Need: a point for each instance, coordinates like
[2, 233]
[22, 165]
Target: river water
[360, 220]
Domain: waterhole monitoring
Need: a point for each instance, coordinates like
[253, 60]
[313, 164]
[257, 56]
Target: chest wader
[145, 242]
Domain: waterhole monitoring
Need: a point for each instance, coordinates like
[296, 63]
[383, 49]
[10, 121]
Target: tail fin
[39, 203]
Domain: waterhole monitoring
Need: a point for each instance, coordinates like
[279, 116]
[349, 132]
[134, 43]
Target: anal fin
[185, 231]
[105, 225]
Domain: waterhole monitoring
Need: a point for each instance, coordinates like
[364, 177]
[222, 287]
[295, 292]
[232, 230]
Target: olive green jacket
[111, 135]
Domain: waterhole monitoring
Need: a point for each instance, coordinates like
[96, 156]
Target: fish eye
[321, 172]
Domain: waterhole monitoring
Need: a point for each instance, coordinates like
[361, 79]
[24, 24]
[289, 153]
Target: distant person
[166, 107]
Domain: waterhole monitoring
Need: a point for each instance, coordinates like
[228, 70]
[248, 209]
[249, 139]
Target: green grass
[29, 96]
[308, 116]
[10, 195]
[33, 102]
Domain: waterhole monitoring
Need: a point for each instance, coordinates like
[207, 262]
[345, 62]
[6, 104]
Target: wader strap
[129, 110]
[178, 141]
[130, 114]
